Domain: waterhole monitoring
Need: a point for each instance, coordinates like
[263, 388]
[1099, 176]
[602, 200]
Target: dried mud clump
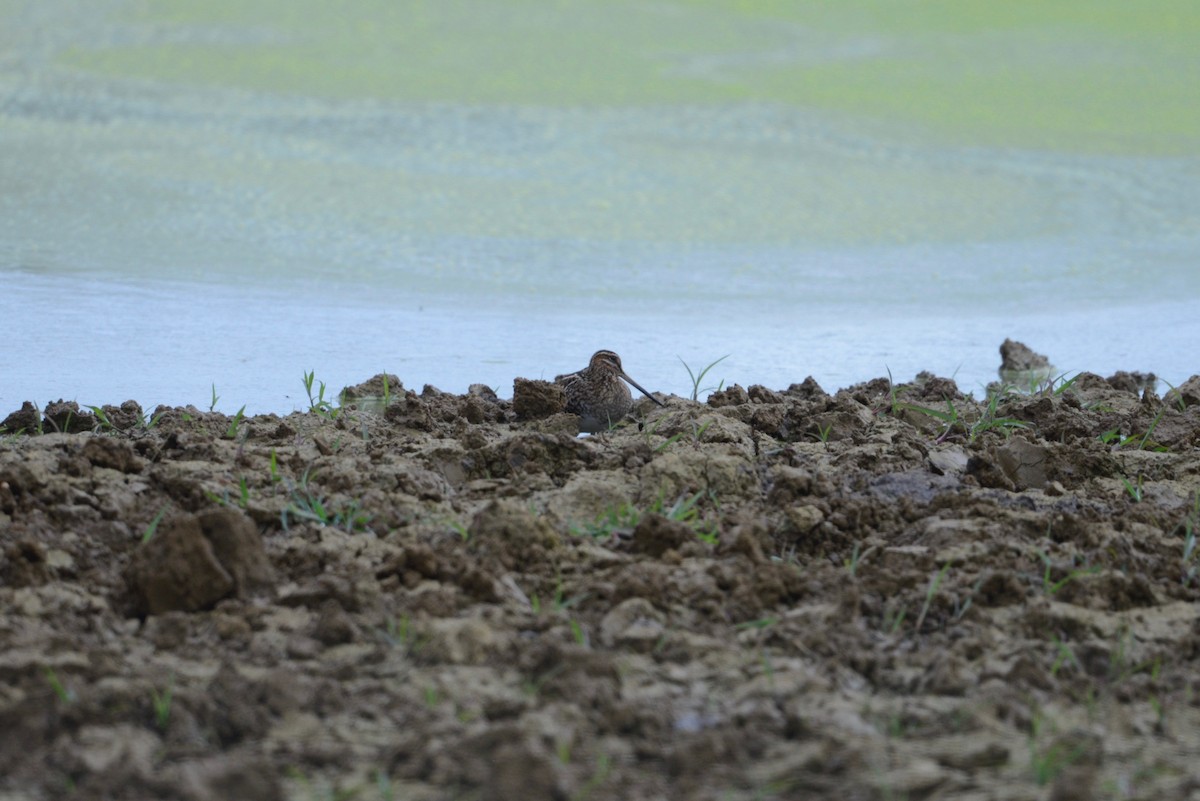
[1018, 357]
[193, 561]
[533, 400]
[27, 419]
[897, 590]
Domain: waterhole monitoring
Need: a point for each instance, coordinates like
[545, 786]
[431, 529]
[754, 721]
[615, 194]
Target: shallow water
[167, 224]
[168, 343]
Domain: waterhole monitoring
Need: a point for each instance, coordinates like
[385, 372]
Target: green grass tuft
[697, 378]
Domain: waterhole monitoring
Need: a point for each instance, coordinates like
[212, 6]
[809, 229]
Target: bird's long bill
[638, 386]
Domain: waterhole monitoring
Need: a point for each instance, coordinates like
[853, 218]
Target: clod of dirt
[655, 535]
[24, 565]
[66, 418]
[1134, 383]
[733, 395]
[633, 623]
[334, 626]
[224, 777]
[1019, 356]
[238, 547]
[936, 389]
[177, 570]
[373, 388]
[25, 419]
[483, 391]
[534, 399]
[112, 453]
[1188, 392]
[1023, 462]
[1021, 365]
[508, 533]
[194, 561]
[125, 417]
[507, 762]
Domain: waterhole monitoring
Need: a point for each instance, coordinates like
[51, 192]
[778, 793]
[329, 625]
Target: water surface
[465, 191]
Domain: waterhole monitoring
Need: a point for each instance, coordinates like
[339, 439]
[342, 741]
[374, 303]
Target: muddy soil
[889, 592]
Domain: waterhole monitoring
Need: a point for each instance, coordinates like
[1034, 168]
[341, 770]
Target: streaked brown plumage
[598, 393]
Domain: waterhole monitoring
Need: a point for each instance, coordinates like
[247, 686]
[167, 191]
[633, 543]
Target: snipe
[598, 393]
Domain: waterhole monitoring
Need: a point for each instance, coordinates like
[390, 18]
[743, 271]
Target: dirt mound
[892, 591]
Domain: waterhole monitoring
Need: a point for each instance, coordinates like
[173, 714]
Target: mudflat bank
[894, 591]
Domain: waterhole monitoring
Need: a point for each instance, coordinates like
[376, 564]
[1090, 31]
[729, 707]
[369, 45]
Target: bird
[598, 393]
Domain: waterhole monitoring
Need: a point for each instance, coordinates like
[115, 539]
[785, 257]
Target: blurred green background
[1108, 76]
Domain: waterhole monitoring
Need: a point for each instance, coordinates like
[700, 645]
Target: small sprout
[669, 442]
[232, 431]
[855, 558]
[1052, 587]
[162, 703]
[1134, 490]
[696, 379]
[215, 397]
[934, 583]
[894, 620]
[60, 690]
[102, 421]
[1191, 525]
[459, 528]
[148, 534]
[578, 633]
[318, 403]
[305, 505]
[1065, 656]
